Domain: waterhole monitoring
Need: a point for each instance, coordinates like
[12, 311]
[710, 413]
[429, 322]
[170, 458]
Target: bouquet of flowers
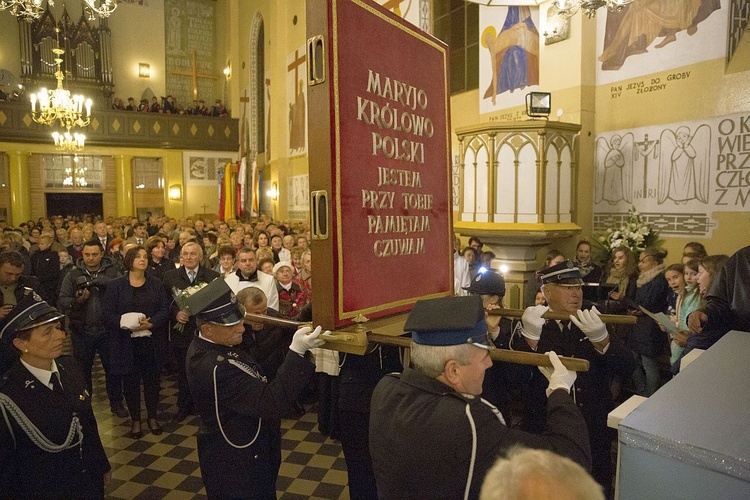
[636, 234]
[181, 298]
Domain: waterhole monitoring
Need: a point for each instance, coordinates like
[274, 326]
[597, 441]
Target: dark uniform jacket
[590, 391]
[250, 412]
[423, 435]
[27, 471]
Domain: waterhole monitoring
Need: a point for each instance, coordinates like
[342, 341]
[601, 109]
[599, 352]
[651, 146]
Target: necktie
[56, 385]
[191, 275]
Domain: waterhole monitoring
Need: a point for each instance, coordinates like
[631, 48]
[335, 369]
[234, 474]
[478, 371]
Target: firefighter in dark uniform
[585, 336]
[239, 441]
[49, 442]
[431, 434]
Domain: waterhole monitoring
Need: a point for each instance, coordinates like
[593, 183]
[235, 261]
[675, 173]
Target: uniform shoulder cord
[8, 406]
[245, 368]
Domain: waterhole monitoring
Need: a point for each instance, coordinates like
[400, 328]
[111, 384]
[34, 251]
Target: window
[75, 172]
[456, 23]
[147, 173]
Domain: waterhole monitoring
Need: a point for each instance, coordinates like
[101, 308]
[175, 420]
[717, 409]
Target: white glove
[591, 324]
[559, 377]
[532, 322]
[303, 340]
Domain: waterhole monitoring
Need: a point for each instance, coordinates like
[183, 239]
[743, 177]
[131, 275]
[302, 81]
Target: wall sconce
[273, 193]
[175, 192]
[144, 70]
[538, 104]
[228, 70]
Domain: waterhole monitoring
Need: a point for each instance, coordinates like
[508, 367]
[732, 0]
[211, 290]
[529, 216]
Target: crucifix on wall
[298, 108]
[195, 74]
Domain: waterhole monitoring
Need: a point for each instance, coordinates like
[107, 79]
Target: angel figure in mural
[614, 175]
[514, 53]
[174, 34]
[632, 30]
[684, 165]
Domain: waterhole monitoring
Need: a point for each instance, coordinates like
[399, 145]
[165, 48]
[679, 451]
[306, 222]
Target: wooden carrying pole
[614, 319]
[519, 357]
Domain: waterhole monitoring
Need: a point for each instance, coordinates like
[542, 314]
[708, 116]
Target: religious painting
[189, 45]
[202, 167]
[679, 173]
[509, 56]
[296, 95]
[267, 110]
[298, 196]
[655, 35]
[408, 10]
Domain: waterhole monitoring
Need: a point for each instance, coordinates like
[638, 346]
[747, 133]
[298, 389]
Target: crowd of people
[168, 105]
[165, 294]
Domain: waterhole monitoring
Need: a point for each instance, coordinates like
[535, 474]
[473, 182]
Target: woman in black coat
[647, 340]
[135, 344]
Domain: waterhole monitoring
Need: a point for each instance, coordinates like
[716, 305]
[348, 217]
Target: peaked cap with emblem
[30, 312]
[564, 274]
[448, 321]
[216, 303]
[487, 283]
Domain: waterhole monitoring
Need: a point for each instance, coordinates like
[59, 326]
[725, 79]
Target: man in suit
[102, 234]
[248, 275]
[50, 394]
[191, 273]
[140, 235]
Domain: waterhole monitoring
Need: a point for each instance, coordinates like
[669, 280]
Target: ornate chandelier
[72, 143]
[28, 10]
[101, 8]
[58, 104]
[568, 8]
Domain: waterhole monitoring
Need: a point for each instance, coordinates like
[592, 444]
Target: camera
[86, 282]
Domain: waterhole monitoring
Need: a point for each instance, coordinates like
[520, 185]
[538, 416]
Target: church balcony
[518, 187]
[127, 129]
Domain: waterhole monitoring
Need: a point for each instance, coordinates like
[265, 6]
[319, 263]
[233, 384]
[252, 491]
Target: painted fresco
[656, 35]
[296, 95]
[405, 9]
[509, 56]
[677, 174]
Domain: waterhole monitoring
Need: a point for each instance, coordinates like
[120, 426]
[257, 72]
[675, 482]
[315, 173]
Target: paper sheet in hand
[662, 319]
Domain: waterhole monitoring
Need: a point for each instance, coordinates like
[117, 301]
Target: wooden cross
[298, 60]
[194, 73]
[243, 127]
[204, 207]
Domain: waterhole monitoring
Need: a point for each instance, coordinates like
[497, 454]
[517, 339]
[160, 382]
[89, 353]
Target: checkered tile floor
[166, 466]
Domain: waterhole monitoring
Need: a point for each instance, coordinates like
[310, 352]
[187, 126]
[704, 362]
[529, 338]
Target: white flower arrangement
[636, 234]
[181, 297]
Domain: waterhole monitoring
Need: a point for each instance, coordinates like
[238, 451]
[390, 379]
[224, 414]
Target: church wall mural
[405, 9]
[677, 174]
[659, 34]
[509, 56]
[189, 47]
[296, 95]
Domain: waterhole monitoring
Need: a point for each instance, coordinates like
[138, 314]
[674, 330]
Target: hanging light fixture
[71, 143]
[101, 8]
[28, 10]
[58, 104]
[568, 8]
